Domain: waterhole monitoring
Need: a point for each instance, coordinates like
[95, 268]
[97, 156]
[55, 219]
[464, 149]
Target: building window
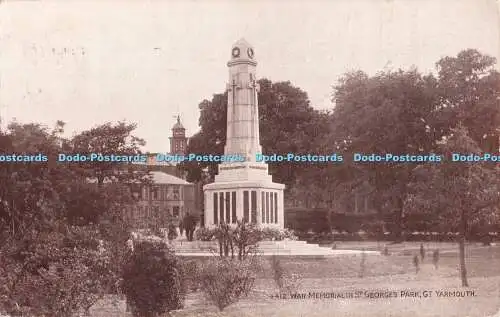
[176, 211]
[155, 213]
[136, 192]
[216, 209]
[176, 193]
[138, 214]
[154, 193]
[161, 192]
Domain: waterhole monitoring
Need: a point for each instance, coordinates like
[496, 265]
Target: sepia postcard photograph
[281, 158]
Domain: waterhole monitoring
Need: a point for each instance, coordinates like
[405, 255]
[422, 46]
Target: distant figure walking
[189, 223]
[422, 252]
[435, 258]
[416, 262]
[181, 228]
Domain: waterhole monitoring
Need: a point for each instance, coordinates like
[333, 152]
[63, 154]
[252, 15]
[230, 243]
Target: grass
[340, 274]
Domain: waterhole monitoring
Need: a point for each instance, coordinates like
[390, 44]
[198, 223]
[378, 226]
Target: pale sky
[90, 62]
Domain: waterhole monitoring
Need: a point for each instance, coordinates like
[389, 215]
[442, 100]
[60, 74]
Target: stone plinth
[257, 202]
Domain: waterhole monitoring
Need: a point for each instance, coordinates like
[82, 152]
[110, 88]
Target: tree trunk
[226, 248]
[461, 248]
[463, 269]
[398, 221]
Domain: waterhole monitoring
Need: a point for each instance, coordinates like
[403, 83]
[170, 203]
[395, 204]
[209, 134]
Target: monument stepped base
[265, 248]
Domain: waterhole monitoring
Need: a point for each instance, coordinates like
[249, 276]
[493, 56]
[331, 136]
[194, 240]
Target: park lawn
[342, 274]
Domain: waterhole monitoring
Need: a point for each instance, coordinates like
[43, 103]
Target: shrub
[278, 271]
[205, 234]
[35, 277]
[277, 234]
[224, 235]
[285, 282]
[288, 234]
[225, 281]
[245, 238]
[172, 231]
[153, 280]
[191, 275]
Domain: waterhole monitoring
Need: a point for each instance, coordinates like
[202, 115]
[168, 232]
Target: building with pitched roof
[170, 197]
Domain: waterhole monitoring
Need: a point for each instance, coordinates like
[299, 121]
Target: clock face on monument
[250, 52]
[236, 52]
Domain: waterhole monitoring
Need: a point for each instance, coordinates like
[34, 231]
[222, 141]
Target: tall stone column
[259, 208]
[243, 139]
[209, 216]
[281, 210]
[239, 204]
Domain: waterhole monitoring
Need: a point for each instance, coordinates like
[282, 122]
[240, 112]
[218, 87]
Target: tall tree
[469, 94]
[287, 125]
[43, 201]
[460, 194]
[109, 139]
[387, 113]
[407, 113]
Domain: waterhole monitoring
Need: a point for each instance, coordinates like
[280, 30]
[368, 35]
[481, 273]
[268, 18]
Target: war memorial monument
[243, 190]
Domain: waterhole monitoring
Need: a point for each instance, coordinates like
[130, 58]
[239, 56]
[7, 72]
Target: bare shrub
[246, 237]
[224, 236]
[225, 281]
[285, 282]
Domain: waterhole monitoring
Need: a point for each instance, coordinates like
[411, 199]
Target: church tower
[178, 140]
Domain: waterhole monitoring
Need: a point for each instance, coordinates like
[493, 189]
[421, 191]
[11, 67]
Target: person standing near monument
[181, 228]
[189, 224]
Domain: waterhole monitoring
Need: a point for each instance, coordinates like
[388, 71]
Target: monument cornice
[240, 62]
